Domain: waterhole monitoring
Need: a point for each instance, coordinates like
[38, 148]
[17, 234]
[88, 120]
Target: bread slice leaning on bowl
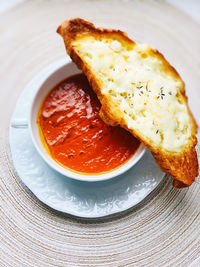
[140, 91]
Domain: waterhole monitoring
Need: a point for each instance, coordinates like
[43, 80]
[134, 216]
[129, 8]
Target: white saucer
[82, 199]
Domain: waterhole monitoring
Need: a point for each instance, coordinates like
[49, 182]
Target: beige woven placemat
[164, 229]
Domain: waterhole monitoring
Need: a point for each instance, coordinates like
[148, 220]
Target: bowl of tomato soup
[71, 136]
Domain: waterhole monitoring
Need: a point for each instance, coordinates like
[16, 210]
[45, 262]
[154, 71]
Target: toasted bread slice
[140, 91]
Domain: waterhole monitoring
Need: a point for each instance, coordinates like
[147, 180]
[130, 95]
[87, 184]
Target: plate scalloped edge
[82, 199]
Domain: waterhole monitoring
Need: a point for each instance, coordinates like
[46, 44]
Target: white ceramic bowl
[56, 73]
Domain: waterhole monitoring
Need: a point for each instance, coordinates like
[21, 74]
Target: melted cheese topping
[147, 97]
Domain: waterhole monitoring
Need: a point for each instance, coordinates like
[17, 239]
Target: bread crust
[183, 167]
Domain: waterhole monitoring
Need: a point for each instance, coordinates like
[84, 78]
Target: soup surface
[74, 133]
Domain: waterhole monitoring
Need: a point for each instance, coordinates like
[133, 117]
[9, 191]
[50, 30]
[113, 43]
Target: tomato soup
[75, 135]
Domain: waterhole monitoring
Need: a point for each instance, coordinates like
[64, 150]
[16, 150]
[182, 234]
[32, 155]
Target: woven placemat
[164, 229]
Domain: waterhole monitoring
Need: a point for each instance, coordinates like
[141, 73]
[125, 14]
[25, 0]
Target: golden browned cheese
[140, 91]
